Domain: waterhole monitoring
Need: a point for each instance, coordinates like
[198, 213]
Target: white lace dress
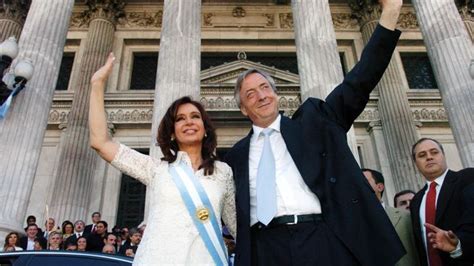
[171, 236]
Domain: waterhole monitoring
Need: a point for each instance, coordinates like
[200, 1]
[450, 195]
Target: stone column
[466, 10]
[22, 130]
[76, 168]
[179, 61]
[179, 58]
[450, 50]
[377, 136]
[319, 66]
[395, 113]
[12, 18]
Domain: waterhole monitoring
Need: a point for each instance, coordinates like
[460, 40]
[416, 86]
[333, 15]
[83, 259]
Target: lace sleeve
[229, 212]
[135, 164]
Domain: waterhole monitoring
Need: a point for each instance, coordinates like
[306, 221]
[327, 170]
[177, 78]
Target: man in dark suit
[309, 203]
[446, 205]
[78, 232]
[28, 242]
[400, 219]
[95, 241]
[90, 228]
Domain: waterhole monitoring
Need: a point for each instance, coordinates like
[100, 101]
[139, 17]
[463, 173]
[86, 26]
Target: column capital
[466, 9]
[15, 10]
[365, 10]
[376, 124]
[110, 10]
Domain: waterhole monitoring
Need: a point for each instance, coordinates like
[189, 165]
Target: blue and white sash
[201, 211]
[6, 105]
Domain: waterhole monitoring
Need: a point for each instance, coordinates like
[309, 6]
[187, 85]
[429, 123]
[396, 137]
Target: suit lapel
[445, 195]
[294, 140]
[394, 215]
[242, 177]
[303, 156]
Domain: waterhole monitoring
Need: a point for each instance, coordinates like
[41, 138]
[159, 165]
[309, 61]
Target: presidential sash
[200, 209]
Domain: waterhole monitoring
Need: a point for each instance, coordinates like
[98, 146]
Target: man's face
[50, 224]
[100, 229]
[378, 188]
[55, 239]
[430, 160]
[403, 201]
[79, 226]
[108, 249]
[258, 101]
[95, 218]
[31, 221]
[111, 239]
[136, 238]
[32, 231]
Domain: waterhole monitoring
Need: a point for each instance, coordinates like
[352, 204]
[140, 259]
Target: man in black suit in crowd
[309, 203]
[446, 205]
[90, 228]
[78, 232]
[28, 242]
[95, 240]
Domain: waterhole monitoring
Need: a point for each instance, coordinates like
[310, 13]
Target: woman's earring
[172, 137]
[205, 135]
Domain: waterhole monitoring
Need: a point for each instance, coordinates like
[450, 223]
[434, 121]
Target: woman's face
[12, 240]
[81, 244]
[188, 126]
[68, 229]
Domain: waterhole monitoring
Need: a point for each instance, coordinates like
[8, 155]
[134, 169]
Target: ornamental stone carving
[142, 20]
[270, 19]
[286, 21]
[111, 10]
[365, 10]
[342, 21]
[207, 19]
[466, 9]
[15, 10]
[239, 12]
[408, 21]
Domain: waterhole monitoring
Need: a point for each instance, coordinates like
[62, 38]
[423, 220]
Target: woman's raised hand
[101, 75]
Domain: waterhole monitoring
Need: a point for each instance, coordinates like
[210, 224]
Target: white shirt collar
[275, 126]
[439, 180]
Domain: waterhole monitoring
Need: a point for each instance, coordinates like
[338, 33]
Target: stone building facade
[234, 36]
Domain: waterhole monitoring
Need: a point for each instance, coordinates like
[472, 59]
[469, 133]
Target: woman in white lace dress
[185, 137]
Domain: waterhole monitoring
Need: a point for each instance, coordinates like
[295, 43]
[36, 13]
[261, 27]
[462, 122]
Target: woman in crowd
[81, 243]
[179, 231]
[12, 242]
[67, 230]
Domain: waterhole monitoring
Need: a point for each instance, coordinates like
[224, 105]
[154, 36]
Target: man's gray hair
[244, 75]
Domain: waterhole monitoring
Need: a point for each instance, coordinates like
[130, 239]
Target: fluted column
[22, 130]
[383, 162]
[319, 66]
[12, 18]
[179, 61]
[77, 161]
[395, 113]
[466, 10]
[450, 50]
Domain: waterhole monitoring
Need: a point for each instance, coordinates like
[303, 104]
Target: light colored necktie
[266, 187]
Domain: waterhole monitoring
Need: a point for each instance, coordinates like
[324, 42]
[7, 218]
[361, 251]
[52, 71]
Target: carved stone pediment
[227, 73]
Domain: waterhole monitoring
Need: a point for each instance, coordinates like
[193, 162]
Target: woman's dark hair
[170, 148]
[67, 222]
[17, 243]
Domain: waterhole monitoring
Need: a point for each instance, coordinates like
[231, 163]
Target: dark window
[343, 64]
[280, 61]
[131, 207]
[144, 71]
[65, 71]
[418, 70]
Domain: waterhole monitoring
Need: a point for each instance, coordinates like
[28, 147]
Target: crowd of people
[77, 236]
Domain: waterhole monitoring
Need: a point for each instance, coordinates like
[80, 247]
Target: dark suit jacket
[454, 211]
[87, 230]
[316, 140]
[24, 241]
[95, 242]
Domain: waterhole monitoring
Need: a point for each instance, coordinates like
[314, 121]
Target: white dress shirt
[30, 244]
[293, 195]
